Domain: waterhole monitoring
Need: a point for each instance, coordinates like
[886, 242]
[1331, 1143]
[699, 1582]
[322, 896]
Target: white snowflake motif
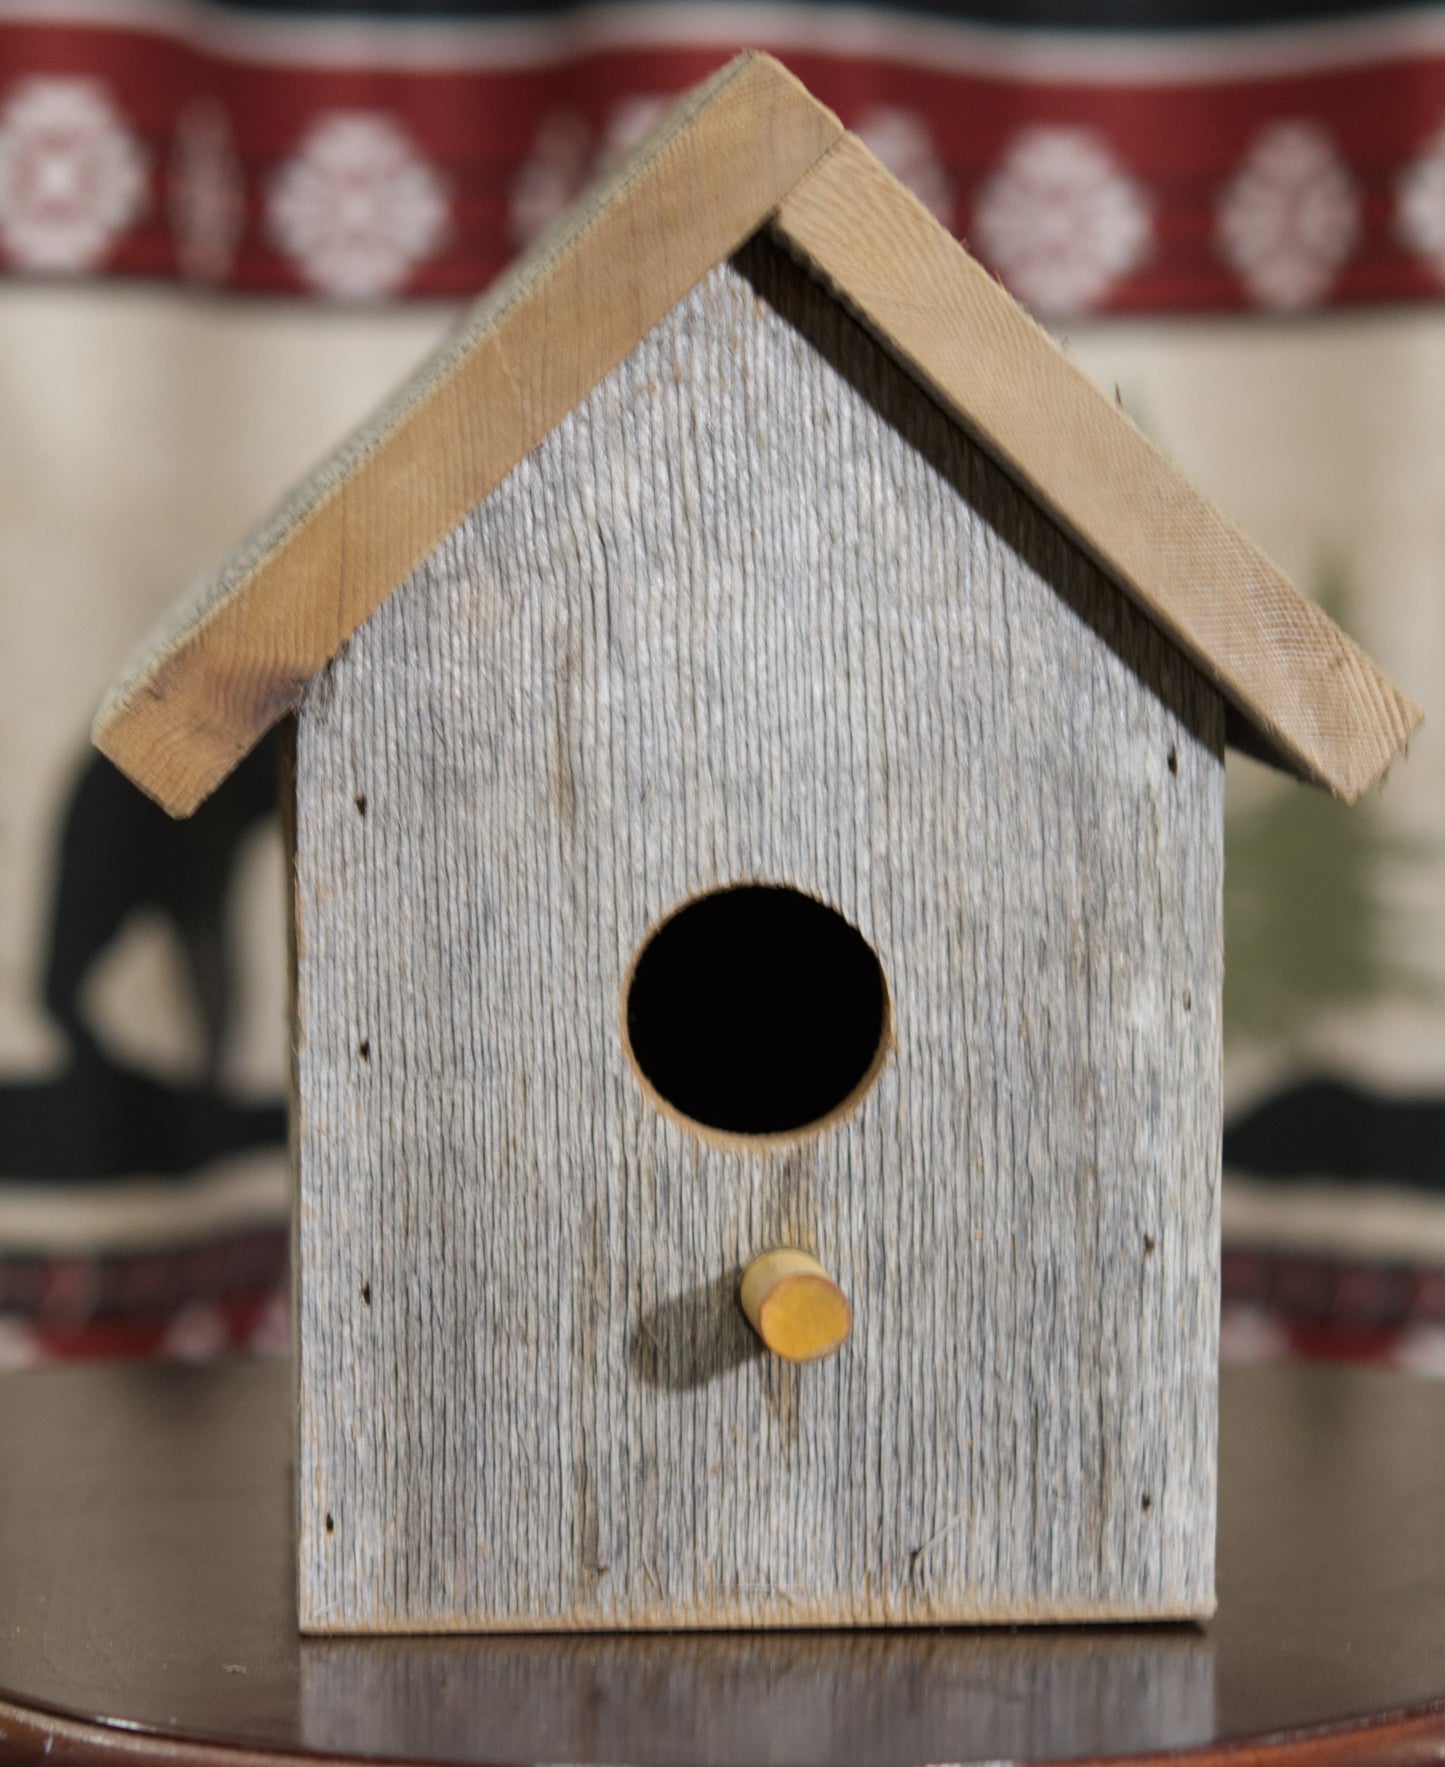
[1290, 216]
[902, 142]
[20, 1345]
[357, 208]
[629, 123]
[208, 193]
[566, 157]
[1248, 1334]
[1420, 215]
[551, 175]
[1060, 222]
[72, 175]
[1421, 1350]
[197, 1334]
[271, 1333]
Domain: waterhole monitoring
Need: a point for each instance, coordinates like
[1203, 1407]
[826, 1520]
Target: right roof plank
[1317, 705]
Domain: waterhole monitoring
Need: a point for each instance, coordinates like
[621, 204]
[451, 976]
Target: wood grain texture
[234, 658]
[1316, 704]
[757, 611]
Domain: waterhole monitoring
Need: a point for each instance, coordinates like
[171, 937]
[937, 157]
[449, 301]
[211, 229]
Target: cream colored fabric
[141, 432]
[1325, 440]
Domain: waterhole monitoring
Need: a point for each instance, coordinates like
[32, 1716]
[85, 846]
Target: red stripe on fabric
[1345, 1294]
[1335, 1343]
[1314, 169]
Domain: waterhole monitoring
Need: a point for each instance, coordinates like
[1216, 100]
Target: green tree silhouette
[1306, 926]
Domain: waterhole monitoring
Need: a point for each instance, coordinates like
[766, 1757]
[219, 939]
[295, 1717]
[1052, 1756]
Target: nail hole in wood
[366, 1294]
[330, 1525]
[1189, 1000]
[364, 1049]
[1174, 760]
[1148, 1245]
[756, 1010]
[361, 803]
[1148, 1503]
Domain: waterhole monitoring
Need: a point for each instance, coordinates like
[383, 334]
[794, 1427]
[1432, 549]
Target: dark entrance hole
[757, 1010]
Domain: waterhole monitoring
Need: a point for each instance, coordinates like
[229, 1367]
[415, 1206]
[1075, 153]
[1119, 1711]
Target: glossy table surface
[146, 1612]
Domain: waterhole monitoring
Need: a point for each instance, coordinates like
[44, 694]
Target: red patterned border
[200, 1302]
[191, 1304]
[132, 149]
[1283, 1306]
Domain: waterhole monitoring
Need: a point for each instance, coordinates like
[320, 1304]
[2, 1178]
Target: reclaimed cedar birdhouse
[760, 719]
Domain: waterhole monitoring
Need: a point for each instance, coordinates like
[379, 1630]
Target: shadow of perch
[694, 1338]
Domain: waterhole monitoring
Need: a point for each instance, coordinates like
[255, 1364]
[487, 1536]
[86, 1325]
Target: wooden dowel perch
[794, 1306]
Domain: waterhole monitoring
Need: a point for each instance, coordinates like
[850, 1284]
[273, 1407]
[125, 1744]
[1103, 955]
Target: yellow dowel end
[794, 1306]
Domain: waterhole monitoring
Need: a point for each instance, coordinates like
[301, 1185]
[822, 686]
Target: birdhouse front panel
[756, 833]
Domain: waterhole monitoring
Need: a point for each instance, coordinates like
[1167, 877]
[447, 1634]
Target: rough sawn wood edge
[236, 655]
[1319, 707]
[748, 147]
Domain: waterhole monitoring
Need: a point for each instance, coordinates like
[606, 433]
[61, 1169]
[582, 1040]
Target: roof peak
[747, 149]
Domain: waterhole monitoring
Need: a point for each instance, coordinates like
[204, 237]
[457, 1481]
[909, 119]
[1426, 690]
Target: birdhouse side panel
[756, 612]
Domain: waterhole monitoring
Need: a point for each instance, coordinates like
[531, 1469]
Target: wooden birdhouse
[759, 756]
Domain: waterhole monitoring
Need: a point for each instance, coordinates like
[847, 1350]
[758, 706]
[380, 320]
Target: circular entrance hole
[757, 1010]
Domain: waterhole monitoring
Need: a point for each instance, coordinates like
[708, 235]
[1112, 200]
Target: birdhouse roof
[749, 149]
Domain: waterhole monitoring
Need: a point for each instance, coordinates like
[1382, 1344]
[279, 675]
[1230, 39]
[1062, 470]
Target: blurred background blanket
[227, 229]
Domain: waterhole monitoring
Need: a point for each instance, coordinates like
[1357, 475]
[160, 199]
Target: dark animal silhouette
[119, 854]
[1333, 1128]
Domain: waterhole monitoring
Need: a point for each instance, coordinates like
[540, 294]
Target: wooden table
[146, 1614]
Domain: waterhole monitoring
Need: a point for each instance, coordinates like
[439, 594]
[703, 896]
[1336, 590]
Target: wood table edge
[1409, 1737]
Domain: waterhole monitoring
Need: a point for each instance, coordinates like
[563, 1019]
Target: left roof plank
[236, 655]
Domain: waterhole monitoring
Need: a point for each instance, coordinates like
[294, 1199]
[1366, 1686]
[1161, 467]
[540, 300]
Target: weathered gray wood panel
[756, 610]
